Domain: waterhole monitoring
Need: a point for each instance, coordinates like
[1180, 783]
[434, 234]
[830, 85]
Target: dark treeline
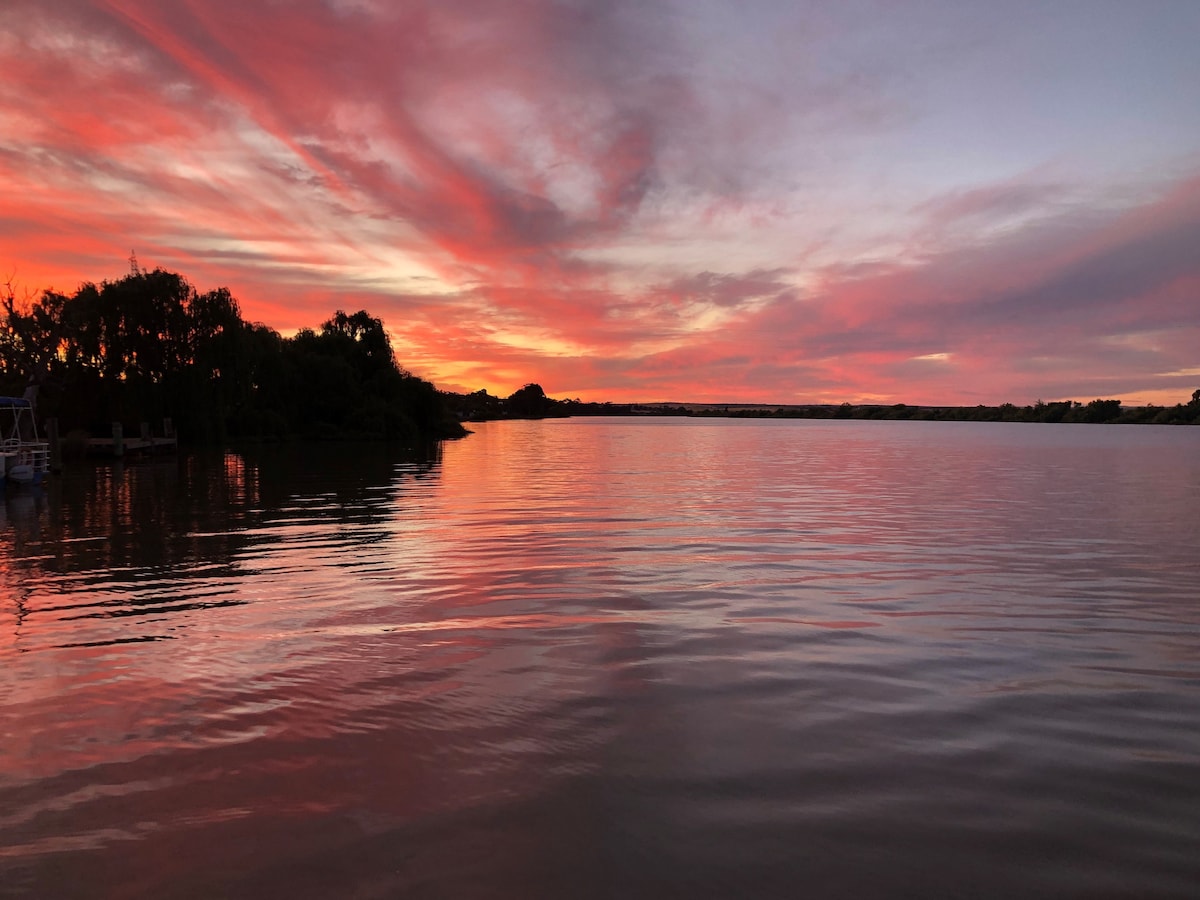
[528, 402]
[1095, 412]
[531, 402]
[150, 346]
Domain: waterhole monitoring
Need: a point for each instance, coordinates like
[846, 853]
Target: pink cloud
[568, 194]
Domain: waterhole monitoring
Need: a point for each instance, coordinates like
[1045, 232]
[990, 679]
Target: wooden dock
[130, 446]
[118, 445]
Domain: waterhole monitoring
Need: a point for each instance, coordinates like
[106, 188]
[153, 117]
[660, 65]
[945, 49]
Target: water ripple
[612, 658]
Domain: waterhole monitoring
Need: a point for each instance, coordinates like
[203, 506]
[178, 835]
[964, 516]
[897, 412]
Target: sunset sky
[924, 202]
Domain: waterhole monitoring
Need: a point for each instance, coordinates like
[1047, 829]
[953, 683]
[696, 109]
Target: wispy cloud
[629, 199]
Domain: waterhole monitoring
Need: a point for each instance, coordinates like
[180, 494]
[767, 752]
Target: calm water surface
[612, 659]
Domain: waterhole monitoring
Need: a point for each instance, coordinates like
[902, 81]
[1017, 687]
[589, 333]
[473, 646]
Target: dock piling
[55, 443]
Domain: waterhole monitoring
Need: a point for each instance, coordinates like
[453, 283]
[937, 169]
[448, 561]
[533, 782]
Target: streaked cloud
[773, 202]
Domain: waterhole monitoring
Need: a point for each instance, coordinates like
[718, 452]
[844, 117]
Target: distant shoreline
[481, 407]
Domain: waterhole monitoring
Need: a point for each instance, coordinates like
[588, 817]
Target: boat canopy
[15, 402]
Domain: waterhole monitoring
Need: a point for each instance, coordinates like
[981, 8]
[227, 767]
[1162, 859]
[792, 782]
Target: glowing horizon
[665, 201]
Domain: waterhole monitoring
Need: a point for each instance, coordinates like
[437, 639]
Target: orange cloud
[594, 198]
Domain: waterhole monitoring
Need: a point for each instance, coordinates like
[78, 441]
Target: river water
[611, 658]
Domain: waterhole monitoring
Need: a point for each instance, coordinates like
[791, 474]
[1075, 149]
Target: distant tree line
[150, 346]
[1095, 412]
[530, 401]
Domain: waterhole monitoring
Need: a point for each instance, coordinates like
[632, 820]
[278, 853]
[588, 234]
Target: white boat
[26, 458]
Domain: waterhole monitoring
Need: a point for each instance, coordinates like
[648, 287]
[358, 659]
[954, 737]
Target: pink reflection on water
[335, 674]
[781, 620]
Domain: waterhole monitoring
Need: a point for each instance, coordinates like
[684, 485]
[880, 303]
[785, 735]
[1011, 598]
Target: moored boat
[25, 458]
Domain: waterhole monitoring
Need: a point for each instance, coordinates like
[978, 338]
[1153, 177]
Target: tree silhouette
[149, 345]
[529, 401]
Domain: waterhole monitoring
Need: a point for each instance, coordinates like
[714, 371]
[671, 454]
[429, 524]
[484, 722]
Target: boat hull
[23, 474]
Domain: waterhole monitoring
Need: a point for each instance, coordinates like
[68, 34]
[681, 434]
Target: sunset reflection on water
[610, 657]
